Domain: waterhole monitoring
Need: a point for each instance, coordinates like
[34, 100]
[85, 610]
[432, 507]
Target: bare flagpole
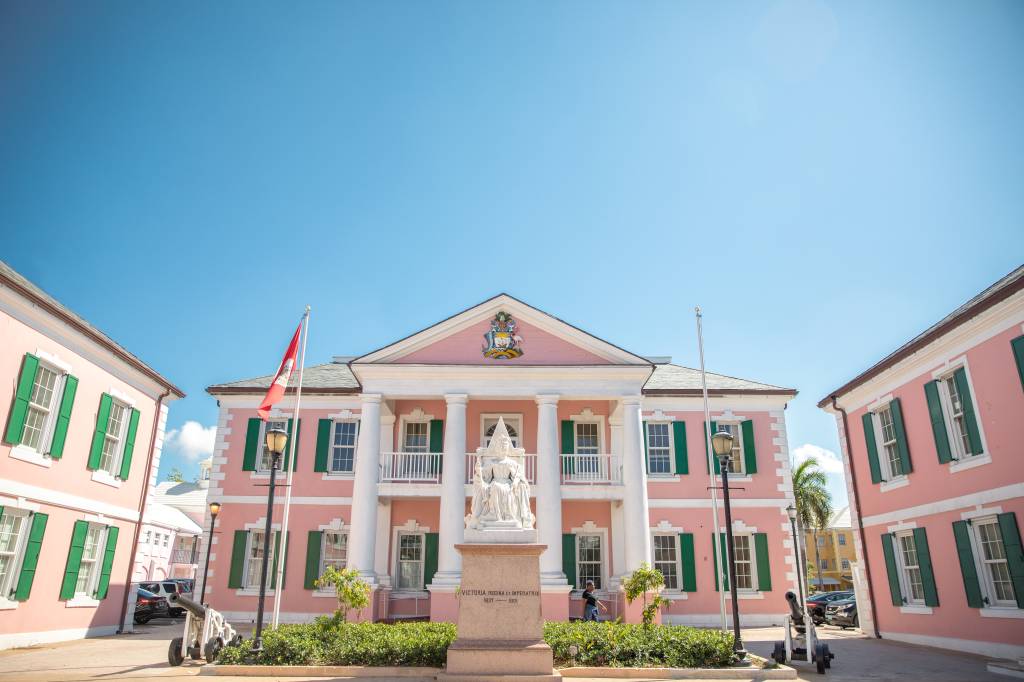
[279, 583]
[716, 545]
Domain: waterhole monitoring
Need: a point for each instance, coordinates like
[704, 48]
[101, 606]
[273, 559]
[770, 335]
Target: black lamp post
[214, 510]
[275, 443]
[791, 510]
[721, 443]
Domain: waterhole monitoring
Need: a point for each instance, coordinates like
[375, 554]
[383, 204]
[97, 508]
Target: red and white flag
[284, 373]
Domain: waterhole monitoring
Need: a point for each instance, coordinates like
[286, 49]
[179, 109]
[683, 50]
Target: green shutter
[569, 554]
[931, 393]
[277, 557]
[289, 446]
[108, 562]
[28, 565]
[252, 446]
[324, 431]
[1018, 354]
[437, 443]
[872, 447]
[970, 419]
[16, 420]
[679, 443]
[689, 561]
[67, 588]
[129, 445]
[924, 561]
[1014, 554]
[430, 542]
[890, 568]
[901, 435]
[238, 557]
[764, 571]
[102, 417]
[714, 430]
[969, 570]
[313, 542]
[647, 461]
[568, 448]
[714, 558]
[60, 429]
[749, 451]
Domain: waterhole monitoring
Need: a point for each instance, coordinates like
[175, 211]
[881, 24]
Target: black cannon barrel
[195, 608]
[795, 608]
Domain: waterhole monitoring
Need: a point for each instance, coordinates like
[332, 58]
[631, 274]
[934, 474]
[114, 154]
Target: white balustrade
[596, 469]
[410, 467]
[530, 461]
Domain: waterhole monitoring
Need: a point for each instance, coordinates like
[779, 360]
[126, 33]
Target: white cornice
[520, 311]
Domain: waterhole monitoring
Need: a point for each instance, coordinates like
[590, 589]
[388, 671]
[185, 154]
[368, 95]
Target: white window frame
[845, 563]
[251, 534]
[957, 448]
[671, 449]
[747, 537]
[422, 535]
[738, 459]
[355, 446]
[9, 583]
[52, 411]
[264, 425]
[512, 420]
[842, 539]
[403, 443]
[678, 559]
[323, 551]
[985, 581]
[885, 467]
[603, 560]
[96, 564]
[903, 569]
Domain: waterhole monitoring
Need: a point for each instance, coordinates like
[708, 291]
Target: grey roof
[1002, 289]
[180, 495]
[19, 283]
[331, 377]
[676, 379]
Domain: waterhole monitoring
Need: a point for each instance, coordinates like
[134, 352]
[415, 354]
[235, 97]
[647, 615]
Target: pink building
[932, 439]
[617, 465]
[82, 423]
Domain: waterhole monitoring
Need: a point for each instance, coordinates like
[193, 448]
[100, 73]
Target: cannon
[801, 643]
[206, 633]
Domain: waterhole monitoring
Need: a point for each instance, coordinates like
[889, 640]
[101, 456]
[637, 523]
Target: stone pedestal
[501, 630]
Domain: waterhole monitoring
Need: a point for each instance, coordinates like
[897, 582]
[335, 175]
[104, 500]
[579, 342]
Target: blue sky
[825, 179]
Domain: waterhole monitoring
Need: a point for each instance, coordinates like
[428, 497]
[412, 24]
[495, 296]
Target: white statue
[501, 493]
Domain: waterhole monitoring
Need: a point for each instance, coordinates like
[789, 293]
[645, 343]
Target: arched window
[511, 423]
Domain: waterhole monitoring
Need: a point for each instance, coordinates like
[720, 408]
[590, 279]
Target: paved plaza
[143, 655]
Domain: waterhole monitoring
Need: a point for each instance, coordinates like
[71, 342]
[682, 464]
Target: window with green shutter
[891, 569]
[430, 559]
[74, 562]
[871, 446]
[658, 448]
[236, 576]
[689, 562]
[968, 567]
[324, 434]
[1017, 346]
[253, 447]
[568, 446]
[569, 557]
[313, 546]
[951, 411]
[41, 410]
[437, 445]
[107, 564]
[707, 451]
[679, 445]
[90, 561]
[113, 441]
[764, 572]
[27, 573]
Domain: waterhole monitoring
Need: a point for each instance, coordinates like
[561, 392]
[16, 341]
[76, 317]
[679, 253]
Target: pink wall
[465, 348]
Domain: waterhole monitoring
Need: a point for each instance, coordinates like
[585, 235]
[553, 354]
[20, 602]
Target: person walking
[591, 603]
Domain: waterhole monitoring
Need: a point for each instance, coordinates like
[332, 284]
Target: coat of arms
[502, 341]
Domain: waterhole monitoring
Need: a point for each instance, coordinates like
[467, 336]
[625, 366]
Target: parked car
[149, 605]
[842, 613]
[188, 585]
[165, 588]
[816, 603]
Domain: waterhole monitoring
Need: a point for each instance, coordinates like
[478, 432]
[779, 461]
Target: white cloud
[192, 440]
[828, 461]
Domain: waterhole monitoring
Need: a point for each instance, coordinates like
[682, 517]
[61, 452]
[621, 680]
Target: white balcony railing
[410, 467]
[599, 469]
[182, 556]
[530, 461]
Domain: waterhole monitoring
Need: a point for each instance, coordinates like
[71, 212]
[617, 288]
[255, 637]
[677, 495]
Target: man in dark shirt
[591, 603]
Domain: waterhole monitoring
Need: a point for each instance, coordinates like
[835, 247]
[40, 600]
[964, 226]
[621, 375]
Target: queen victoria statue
[501, 493]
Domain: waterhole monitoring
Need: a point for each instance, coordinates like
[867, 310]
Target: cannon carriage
[206, 633]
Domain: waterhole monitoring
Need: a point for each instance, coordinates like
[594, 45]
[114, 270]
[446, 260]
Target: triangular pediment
[482, 335]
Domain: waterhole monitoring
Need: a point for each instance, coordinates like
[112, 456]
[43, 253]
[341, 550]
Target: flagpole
[715, 546]
[279, 584]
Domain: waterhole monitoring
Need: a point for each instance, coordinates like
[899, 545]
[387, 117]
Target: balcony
[410, 467]
[183, 556]
[596, 469]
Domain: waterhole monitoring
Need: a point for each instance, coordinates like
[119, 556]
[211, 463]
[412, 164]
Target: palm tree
[813, 503]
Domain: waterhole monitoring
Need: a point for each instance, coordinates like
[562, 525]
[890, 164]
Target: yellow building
[829, 554]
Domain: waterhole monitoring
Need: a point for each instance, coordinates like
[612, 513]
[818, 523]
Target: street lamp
[214, 510]
[275, 442]
[721, 443]
[791, 510]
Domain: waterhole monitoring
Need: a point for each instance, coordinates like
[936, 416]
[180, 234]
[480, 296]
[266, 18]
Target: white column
[549, 491]
[362, 540]
[634, 476]
[453, 492]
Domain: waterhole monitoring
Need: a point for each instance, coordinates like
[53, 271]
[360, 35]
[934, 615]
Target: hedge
[329, 642]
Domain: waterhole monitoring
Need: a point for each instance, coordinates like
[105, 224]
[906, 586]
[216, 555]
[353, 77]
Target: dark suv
[842, 613]
[816, 604]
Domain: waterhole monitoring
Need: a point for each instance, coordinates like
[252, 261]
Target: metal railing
[182, 556]
[530, 462]
[597, 469]
[410, 467]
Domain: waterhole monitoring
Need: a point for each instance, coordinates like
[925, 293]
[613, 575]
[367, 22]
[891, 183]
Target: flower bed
[328, 642]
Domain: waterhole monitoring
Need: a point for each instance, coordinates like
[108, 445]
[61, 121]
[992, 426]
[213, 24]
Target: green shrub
[637, 646]
[330, 641]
